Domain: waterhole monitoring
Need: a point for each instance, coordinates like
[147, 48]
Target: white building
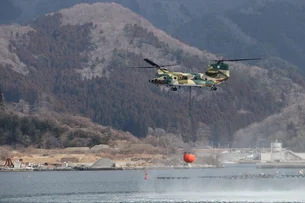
[276, 153]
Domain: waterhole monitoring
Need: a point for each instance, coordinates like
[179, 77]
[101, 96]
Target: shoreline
[104, 169]
[287, 165]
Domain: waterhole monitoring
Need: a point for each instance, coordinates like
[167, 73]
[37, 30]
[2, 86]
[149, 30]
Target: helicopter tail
[225, 72]
[224, 69]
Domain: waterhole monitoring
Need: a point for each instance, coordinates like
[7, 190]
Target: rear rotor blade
[242, 59]
[169, 65]
[245, 59]
[156, 65]
[151, 63]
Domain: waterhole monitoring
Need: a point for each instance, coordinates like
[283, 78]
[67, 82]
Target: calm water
[130, 186]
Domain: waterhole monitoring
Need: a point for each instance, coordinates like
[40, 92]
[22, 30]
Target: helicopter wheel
[213, 88]
[174, 89]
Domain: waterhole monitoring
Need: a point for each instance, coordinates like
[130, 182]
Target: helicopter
[215, 75]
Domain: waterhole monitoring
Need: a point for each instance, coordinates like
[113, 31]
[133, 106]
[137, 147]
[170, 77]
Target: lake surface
[130, 186]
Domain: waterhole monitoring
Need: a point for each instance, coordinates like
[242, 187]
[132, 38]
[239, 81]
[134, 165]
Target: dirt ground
[82, 156]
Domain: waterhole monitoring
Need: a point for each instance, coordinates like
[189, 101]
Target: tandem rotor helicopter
[216, 74]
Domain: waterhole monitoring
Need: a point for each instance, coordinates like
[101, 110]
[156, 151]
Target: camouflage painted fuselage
[215, 75]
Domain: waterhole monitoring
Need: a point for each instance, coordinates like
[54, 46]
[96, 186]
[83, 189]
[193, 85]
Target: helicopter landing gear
[213, 88]
[174, 88]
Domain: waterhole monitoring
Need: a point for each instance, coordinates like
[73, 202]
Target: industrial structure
[276, 153]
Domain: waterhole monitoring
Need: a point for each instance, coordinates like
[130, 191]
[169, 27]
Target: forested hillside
[48, 129]
[75, 61]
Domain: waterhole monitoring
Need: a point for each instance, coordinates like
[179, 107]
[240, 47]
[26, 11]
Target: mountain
[75, 61]
[288, 126]
[258, 28]
[272, 30]
[221, 27]
[232, 28]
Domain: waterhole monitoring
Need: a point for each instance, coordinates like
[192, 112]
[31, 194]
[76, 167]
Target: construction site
[100, 158]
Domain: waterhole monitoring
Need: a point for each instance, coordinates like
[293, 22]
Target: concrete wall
[302, 155]
[265, 157]
[284, 155]
[277, 156]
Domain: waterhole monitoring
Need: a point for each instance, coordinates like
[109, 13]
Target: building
[276, 153]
